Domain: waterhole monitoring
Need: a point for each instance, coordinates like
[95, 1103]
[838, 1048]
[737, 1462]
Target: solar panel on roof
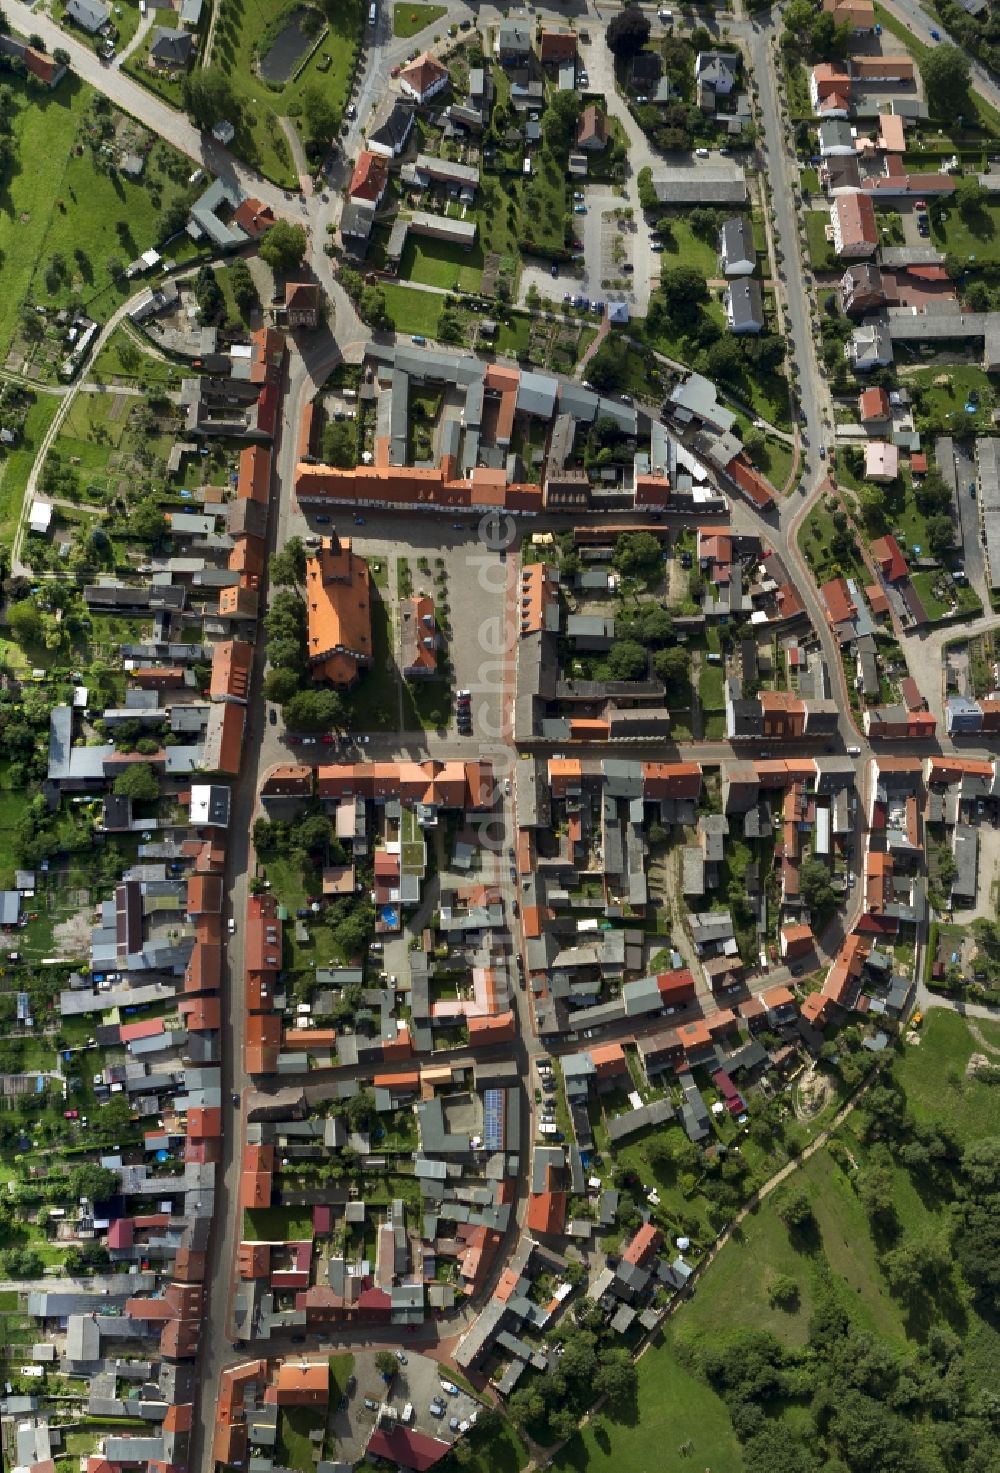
[493, 1119]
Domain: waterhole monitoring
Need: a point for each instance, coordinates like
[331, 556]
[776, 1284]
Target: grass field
[440, 263]
[295, 1445]
[413, 311]
[675, 1409]
[711, 686]
[978, 238]
[240, 27]
[60, 205]
[821, 256]
[774, 458]
[932, 1075]
[408, 20]
[277, 1224]
[684, 248]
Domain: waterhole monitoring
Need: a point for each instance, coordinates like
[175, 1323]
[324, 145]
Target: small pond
[290, 44]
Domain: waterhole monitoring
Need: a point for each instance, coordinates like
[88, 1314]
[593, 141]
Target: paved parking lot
[416, 1383]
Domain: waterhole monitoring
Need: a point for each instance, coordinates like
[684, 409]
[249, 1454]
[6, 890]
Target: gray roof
[90, 14]
[175, 48]
[536, 394]
[988, 462]
[690, 184]
[746, 304]
[205, 217]
[737, 243]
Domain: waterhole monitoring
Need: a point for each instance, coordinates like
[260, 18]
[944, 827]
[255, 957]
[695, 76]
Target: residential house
[736, 248]
[855, 232]
[423, 78]
[391, 136]
[870, 346]
[370, 177]
[858, 14]
[716, 75]
[873, 408]
[861, 290]
[171, 50]
[881, 461]
[513, 44]
[592, 129]
[91, 16]
[744, 303]
[36, 63]
[557, 46]
[303, 303]
[830, 90]
[836, 139]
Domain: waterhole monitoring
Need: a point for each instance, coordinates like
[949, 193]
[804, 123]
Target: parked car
[371, 1406]
[449, 1387]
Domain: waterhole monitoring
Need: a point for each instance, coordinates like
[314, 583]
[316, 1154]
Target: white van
[372, 13]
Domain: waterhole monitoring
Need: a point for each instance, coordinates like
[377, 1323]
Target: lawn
[374, 703]
[945, 393]
[977, 239]
[62, 206]
[15, 464]
[502, 1451]
[924, 583]
[774, 458]
[122, 359]
[682, 247]
[409, 20]
[413, 311]
[676, 1411]
[821, 256]
[277, 1224]
[442, 263]
[932, 1074]
[711, 686]
[243, 26]
[815, 540]
[295, 1444]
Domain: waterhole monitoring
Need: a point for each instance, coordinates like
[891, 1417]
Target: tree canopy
[283, 247]
[945, 71]
[627, 32]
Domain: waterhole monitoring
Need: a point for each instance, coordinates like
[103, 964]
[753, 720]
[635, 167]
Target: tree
[814, 885]
[280, 685]
[173, 218]
[386, 1363]
[940, 535]
[795, 1210]
[626, 660]
[25, 621]
[784, 1291]
[61, 56]
[945, 71]
[146, 521]
[724, 359]
[683, 289]
[627, 33]
[283, 247]
[314, 710]
[970, 198]
[138, 782]
[617, 1377]
[560, 120]
[96, 1183]
[525, 1405]
[340, 444]
[320, 116]
[288, 567]
[210, 99]
[673, 666]
[353, 933]
[244, 291]
[636, 552]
